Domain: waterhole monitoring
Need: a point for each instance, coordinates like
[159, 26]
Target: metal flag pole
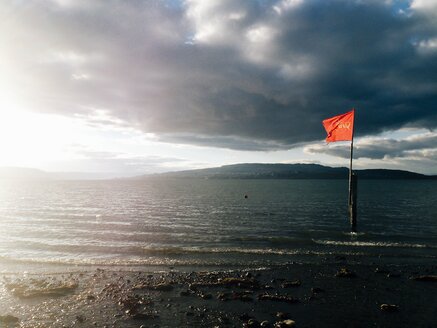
[352, 201]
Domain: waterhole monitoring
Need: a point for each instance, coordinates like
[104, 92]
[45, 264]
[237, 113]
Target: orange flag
[340, 127]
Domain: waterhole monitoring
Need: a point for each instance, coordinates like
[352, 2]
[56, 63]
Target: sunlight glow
[28, 139]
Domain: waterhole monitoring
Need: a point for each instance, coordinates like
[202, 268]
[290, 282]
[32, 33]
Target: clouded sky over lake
[133, 87]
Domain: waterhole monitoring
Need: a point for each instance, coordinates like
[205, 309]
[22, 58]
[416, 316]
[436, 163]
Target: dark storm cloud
[253, 75]
[229, 142]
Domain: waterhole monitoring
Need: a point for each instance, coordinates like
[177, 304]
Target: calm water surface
[210, 222]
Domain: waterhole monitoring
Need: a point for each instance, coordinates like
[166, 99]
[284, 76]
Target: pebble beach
[339, 292]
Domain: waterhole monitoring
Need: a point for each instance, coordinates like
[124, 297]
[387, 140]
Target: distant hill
[290, 171]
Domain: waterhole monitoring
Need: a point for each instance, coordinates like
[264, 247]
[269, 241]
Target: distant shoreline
[235, 171]
[291, 171]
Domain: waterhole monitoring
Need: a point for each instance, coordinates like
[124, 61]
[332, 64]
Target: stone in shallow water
[431, 278]
[252, 323]
[145, 316]
[285, 323]
[90, 297]
[239, 282]
[282, 315]
[8, 319]
[288, 284]
[277, 298]
[389, 307]
[41, 288]
[162, 287]
[345, 273]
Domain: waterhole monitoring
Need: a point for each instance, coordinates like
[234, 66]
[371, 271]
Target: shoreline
[340, 292]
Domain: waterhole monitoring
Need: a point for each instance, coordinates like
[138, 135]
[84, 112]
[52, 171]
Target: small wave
[259, 252]
[134, 262]
[165, 256]
[203, 250]
[354, 234]
[370, 244]
[108, 262]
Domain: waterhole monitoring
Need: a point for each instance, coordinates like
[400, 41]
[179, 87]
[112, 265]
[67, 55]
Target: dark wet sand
[340, 293]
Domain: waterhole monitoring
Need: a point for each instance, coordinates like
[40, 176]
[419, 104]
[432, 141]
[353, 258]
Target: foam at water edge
[370, 244]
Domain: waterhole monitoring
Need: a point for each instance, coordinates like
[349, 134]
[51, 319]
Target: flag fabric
[340, 127]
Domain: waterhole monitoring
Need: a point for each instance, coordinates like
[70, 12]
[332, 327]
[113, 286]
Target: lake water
[210, 222]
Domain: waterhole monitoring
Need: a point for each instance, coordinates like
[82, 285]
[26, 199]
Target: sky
[134, 87]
